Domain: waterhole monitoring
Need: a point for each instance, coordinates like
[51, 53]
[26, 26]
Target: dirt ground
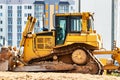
[53, 76]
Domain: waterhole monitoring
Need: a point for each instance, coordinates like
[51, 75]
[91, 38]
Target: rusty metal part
[46, 66]
[4, 65]
[66, 59]
[92, 65]
[5, 55]
[55, 57]
[79, 56]
[110, 67]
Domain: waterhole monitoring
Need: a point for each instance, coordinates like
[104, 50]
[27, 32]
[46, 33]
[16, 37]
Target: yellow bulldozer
[69, 47]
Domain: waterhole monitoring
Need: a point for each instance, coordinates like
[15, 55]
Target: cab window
[75, 24]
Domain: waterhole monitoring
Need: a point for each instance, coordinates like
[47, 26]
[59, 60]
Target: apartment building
[3, 25]
[44, 10]
[13, 17]
[14, 13]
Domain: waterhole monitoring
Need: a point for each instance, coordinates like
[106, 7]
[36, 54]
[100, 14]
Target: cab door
[61, 24]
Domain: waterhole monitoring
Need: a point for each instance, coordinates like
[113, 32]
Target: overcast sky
[102, 18]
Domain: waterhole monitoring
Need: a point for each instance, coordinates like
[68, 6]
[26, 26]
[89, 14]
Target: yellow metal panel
[94, 43]
[56, 7]
[46, 7]
[84, 25]
[28, 50]
[83, 38]
[46, 42]
[32, 52]
[68, 14]
[116, 56]
[46, 22]
[32, 24]
[46, 14]
[92, 37]
[103, 61]
[102, 52]
[76, 38]
[110, 67]
[85, 17]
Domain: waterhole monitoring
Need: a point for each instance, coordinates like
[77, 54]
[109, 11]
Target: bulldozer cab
[71, 23]
[69, 28]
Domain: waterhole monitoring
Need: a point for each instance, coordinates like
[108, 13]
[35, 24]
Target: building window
[9, 7]
[19, 7]
[9, 22]
[19, 15]
[1, 29]
[10, 42]
[0, 14]
[19, 29]
[25, 22]
[9, 19]
[28, 7]
[1, 22]
[9, 29]
[19, 22]
[39, 12]
[19, 36]
[0, 6]
[18, 42]
[9, 14]
[25, 7]
[19, 19]
[39, 8]
[9, 36]
[25, 14]
[29, 14]
[19, 11]
[63, 8]
[1, 37]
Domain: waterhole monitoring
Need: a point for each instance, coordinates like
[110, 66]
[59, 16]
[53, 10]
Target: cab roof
[71, 14]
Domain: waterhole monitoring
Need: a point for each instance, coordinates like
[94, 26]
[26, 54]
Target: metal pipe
[79, 6]
[112, 26]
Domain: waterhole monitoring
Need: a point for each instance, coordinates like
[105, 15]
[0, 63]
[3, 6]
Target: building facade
[44, 10]
[14, 13]
[117, 22]
[3, 25]
[13, 17]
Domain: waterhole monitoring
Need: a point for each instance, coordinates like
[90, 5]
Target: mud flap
[4, 65]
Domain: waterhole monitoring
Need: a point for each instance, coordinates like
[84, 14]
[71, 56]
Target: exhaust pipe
[79, 6]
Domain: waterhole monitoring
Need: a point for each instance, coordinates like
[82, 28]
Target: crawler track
[92, 65]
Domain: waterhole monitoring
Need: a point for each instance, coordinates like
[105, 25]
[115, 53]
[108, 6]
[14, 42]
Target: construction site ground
[53, 76]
